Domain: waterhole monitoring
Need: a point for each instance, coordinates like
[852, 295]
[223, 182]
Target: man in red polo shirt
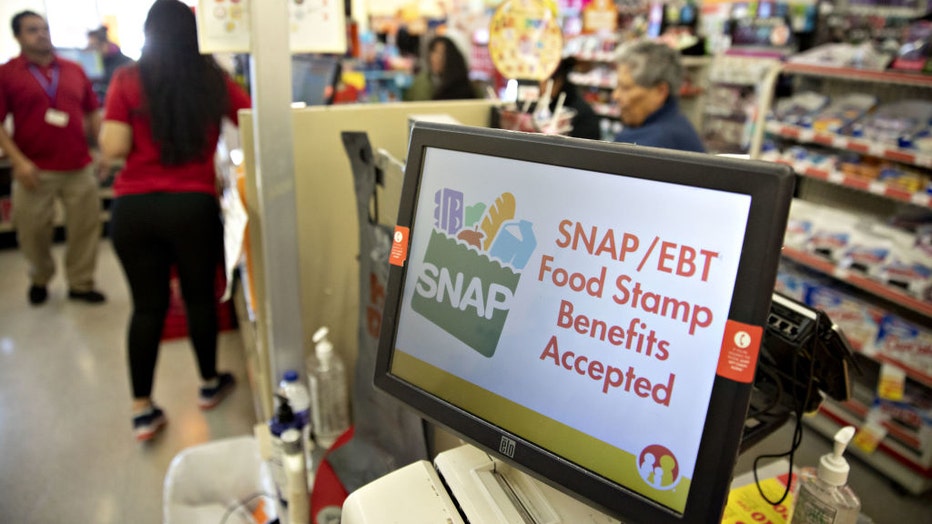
[54, 112]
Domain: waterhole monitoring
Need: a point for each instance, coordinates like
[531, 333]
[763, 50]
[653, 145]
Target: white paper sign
[315, 26]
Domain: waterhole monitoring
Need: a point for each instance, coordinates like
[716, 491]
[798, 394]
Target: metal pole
[274, 151]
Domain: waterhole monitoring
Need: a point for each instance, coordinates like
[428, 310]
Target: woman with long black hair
[162, 115]
[445, 75]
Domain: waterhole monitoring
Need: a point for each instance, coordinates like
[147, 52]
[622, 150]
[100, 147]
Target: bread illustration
[501, 211]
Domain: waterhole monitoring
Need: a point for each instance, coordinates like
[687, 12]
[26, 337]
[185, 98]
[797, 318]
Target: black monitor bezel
[770, 187]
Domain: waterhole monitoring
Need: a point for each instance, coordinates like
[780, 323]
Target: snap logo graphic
[658, 467]
[472, 267]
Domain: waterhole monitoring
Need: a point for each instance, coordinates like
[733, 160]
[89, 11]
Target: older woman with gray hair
[649, 78]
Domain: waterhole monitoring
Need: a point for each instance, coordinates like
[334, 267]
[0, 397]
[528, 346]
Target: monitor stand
[484, 488]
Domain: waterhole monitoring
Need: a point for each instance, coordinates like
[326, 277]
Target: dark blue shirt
[666, 127]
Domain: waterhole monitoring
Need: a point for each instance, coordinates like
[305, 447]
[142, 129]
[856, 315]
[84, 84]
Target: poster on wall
[315, 26]
[525, 40]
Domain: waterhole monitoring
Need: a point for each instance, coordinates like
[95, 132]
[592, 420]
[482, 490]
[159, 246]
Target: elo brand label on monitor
[570, 316]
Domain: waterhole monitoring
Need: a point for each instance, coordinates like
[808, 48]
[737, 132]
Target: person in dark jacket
[111, 56]
[649, 78]
[585, 122]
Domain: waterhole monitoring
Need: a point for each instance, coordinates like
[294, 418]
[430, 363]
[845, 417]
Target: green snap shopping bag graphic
[471, 268]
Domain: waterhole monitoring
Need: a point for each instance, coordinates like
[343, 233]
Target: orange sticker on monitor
[740, 347]
[399, 251]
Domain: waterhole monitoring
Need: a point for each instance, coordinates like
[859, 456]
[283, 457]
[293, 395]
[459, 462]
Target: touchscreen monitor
[589, 312]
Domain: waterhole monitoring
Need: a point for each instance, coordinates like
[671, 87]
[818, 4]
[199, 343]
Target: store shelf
[883, 11]
[584, 82]
[606, 110]
[908, 438]
[870, 186]
[920, 376]
[858, 145]
[595, 56]
[864, 75]
[873, 287]
[903, 455]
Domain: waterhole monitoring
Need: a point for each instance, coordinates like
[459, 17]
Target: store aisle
[67, 452]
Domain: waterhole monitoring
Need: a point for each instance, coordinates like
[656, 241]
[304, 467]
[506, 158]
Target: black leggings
[150, 233]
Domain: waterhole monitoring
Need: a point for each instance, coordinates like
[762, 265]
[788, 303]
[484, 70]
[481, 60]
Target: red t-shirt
[50, 147]
[144, 172]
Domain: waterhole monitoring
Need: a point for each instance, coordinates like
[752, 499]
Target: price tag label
[877, 187]
[868, 437]
[836, 177]
[922, 199]
[892, 382]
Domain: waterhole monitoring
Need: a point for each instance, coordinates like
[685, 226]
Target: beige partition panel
[326, 204]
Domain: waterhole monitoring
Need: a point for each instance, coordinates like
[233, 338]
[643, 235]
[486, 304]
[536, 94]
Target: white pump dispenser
[833, 468]
[329, 400]
[823, 494]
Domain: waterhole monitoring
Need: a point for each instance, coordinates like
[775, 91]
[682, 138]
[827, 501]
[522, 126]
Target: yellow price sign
[868, 437]
[892, 383]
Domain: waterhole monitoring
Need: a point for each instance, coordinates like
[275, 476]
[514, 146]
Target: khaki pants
[34, 220]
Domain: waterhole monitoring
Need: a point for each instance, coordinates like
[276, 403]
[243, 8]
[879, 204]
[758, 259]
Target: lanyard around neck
[49, 86]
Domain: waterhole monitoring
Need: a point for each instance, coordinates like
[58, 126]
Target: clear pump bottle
[824, 496]
[329, 400]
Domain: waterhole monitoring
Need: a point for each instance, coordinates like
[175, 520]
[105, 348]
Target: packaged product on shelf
[897, 123]
[905, 343]
[913, 412]
[923, 141]
[904, 178]
[909, 269]
[912, 419]
[843, 111]
[870, 246]
[866, 252]
[817, 157]
[831, 233]
[804, 215]
[791, 285]
[858, 320]
[854, 165]
[798, 109]
[915, 53]
[924, 239]
[859, 56]
[795, 281]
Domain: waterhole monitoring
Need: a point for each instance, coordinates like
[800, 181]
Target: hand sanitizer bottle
[329, 400]
[824, 497]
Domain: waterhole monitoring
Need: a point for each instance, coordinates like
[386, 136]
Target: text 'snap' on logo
[472, 266]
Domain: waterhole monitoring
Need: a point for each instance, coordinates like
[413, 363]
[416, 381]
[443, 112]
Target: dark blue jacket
[667, 127]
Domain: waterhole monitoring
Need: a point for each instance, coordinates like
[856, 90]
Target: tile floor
[67, 452]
